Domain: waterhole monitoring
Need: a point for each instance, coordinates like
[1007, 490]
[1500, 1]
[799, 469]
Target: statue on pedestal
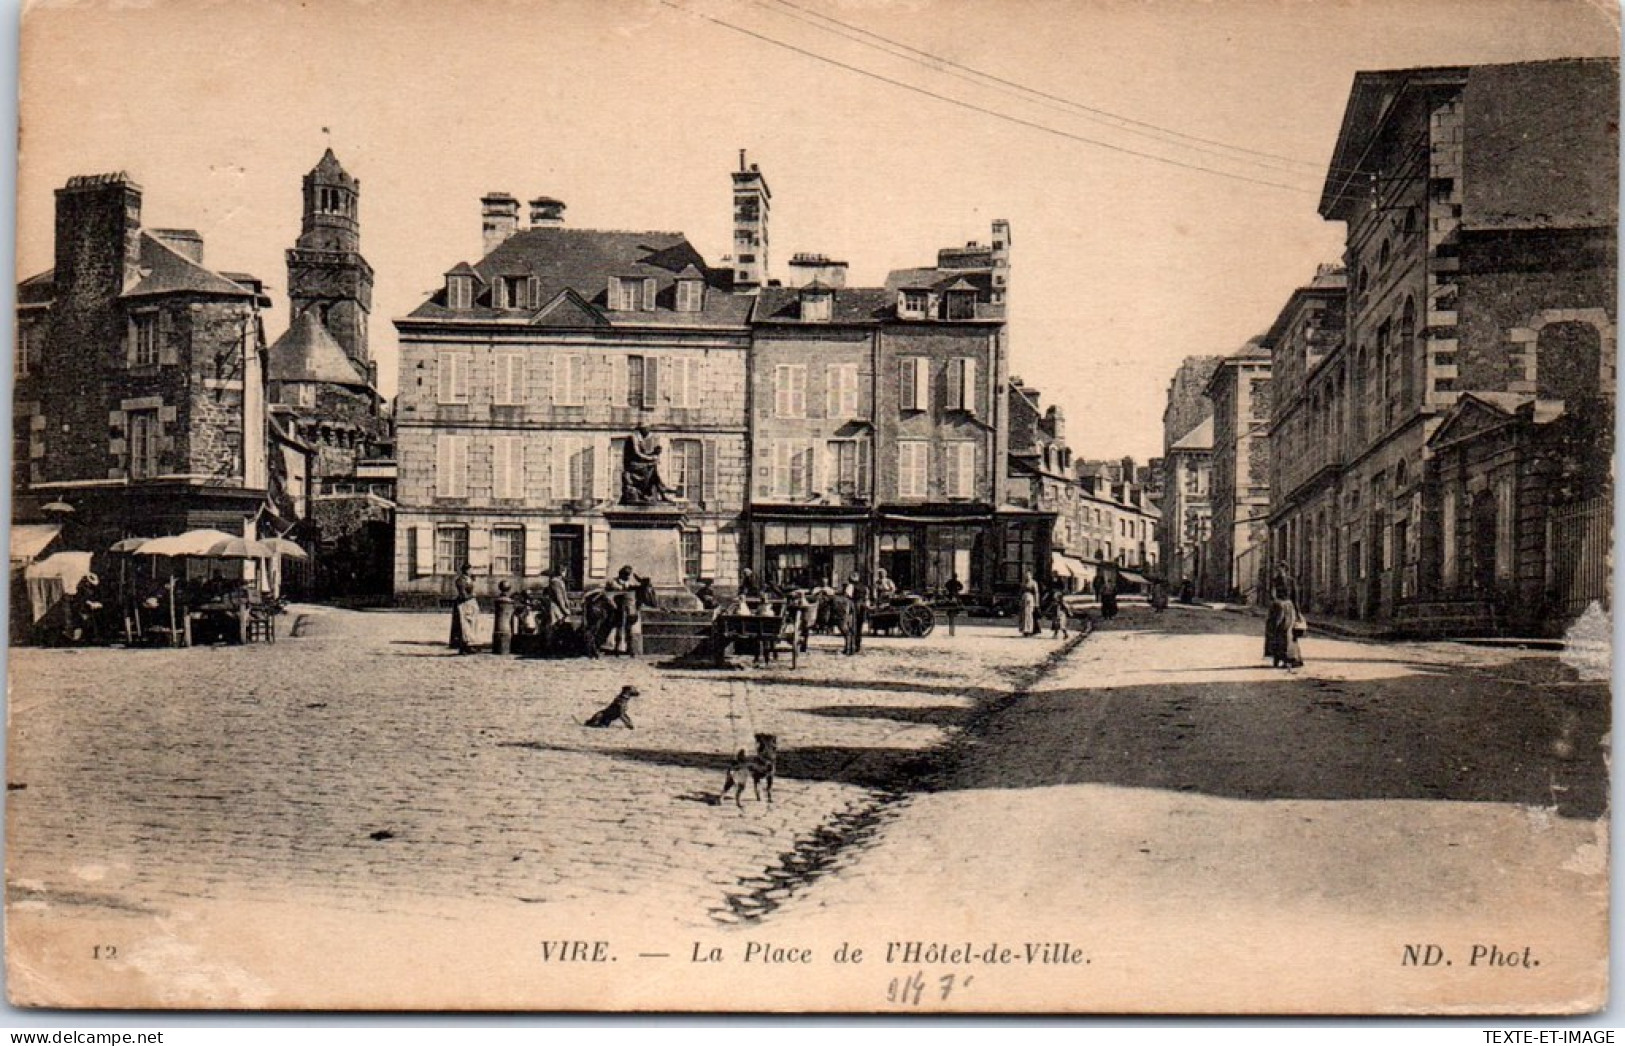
[640, 470]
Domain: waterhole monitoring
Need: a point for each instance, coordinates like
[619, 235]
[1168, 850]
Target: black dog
[615, 711]
[762, 766]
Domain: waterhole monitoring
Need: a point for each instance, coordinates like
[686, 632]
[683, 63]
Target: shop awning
[1067, 566]
[1129, 575]
[28, 540]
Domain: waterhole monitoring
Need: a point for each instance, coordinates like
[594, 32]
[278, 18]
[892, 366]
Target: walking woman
[1281, 630]
[1029, 604]
[465, 612]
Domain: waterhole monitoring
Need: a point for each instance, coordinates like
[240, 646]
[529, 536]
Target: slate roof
[979, 280]
[307, 352]
[583, 260]
[849, 305]
[165, 270]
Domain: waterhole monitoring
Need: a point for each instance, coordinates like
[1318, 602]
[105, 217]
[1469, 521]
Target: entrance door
[1483, 552]
[566, 546]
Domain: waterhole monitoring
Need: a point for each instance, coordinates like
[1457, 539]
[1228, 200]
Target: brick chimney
[499, 218]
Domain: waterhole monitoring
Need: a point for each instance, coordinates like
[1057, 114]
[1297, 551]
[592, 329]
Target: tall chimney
[1001, 259]
[499, 218]
[752, 201]
[98, 233]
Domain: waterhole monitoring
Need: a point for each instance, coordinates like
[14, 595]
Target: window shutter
[479, 548]
[781, 467]
[781, 392]
[535, 549]
[619, 366]
[905, 385]
[532, 292]
[443, 376]
[598, 549]
[663, 385]
[459, 466]
[539, 482]
[956, 384]
[816, 468]
[708, 469]
[652, 371]
[613, 295]
[708, 550]
[863, 467]
[563, 454]
[648, 294]
[922, 384]
[443, 466]
[603, 468]
[967, 395]
[423, 551]
[832, 391]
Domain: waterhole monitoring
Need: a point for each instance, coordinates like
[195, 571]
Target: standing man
[856, 594]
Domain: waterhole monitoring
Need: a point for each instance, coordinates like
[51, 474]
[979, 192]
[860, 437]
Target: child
[502, 629]
[1060, 618]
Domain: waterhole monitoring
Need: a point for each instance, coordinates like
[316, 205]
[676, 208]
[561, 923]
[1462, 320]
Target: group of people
[540, 621]
[1284, 625]
[1039, 605]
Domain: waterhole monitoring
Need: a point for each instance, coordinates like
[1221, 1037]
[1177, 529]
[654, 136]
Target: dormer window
[816, 304]
[914, 304]
[690, 295]
[961, 305]
[632, 293]
[514, 292]
[459, 290]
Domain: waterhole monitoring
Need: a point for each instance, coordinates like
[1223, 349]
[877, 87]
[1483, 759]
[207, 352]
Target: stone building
[1118, 522]
[1187, 444]
[140, 377]
[1305, 433]
[521, 381]
[1042, 478]
[879, 429]
[1480, 205]
[1240, 496]
[324, 382]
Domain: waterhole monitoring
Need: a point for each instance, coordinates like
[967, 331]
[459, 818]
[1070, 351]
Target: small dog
[615, 711]
[762, 766]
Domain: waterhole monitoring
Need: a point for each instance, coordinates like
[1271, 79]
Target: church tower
[326, 272]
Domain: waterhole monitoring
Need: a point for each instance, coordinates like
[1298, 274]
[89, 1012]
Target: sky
[1160, 161]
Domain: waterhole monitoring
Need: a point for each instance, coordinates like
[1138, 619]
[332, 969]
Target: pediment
[569, 309]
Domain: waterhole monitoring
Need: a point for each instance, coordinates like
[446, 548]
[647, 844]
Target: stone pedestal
[648, 538]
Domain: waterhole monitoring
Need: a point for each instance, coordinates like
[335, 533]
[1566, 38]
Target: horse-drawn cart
[910, 615]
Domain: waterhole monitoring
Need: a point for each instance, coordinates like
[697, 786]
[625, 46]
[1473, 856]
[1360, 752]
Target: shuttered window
[508, 378]
[914, 383]
[790, 390]
[451, 466]
[913, 468]
[453, 376]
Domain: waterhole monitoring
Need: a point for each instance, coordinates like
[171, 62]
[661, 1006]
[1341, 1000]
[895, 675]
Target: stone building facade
[1480, 204]
[1304, 342]
[1042, 478]
[1240, 496]
[140, 377]
[1187, 443]
[879, 430]
[521, 380]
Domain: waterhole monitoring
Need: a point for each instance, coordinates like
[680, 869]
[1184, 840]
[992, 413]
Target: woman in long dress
[1029, 604]
[1280, 631]
[465, 612]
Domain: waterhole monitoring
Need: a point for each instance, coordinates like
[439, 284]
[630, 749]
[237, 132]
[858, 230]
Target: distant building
[1118, 521]
[1306, 433]
[1187, 474]
[1240, 393]
[1041, 478]
[140, 380]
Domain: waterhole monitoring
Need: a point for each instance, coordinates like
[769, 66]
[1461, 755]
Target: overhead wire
[973, 107]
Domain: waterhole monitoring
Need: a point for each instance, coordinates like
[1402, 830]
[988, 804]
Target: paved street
[271, 825]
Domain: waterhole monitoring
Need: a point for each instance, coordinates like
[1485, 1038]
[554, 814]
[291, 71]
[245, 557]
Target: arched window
[1384, 256]
[1401, 476]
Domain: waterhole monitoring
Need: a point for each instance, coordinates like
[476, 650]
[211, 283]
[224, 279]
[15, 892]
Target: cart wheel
[917, 621]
